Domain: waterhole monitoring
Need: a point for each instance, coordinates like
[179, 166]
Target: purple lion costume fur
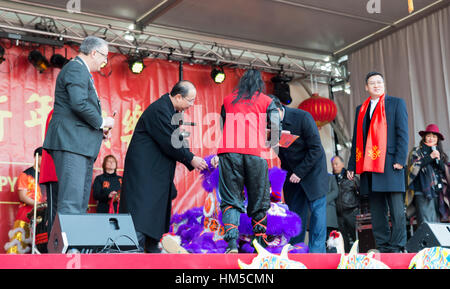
[201, 229]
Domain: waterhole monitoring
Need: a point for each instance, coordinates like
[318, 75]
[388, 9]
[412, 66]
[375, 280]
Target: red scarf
[376, 143]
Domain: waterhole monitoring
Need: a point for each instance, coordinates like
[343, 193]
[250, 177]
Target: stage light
[2, 53]
[136, 64]
[57, 60]
[218, 75]
[38, 60]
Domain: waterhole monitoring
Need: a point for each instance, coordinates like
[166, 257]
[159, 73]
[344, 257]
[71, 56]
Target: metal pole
[36, 184]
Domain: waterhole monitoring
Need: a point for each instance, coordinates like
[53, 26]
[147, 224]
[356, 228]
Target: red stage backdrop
[26, 98]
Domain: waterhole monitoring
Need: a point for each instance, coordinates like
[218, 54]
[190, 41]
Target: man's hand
[199, 163]
[215, 161]
[350, 175]
[108, 122]
[107, 134]
[294, 179]
[397, 166]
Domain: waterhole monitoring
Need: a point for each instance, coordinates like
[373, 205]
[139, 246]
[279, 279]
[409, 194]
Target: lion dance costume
[201, 229]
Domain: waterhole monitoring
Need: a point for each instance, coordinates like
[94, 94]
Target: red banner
[26, 98]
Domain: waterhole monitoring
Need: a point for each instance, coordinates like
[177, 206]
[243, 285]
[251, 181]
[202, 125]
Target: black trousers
[388, 239]
[237, 171]
[147, 244]
[347, 226]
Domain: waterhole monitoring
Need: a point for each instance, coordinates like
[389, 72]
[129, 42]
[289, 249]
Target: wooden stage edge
[174, 261]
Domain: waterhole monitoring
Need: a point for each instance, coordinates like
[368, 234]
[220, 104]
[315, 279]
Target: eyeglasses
[189, 101]
[102, 54]
[372, 83]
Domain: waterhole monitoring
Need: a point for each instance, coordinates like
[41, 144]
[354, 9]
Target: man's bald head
[183, 95]
[183, 87]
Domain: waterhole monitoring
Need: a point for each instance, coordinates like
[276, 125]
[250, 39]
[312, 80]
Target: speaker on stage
[92, 233]
[429, 235]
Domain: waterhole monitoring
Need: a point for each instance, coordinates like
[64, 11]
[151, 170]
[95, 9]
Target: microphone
[434, 148]
[439, 184]
[182, 122]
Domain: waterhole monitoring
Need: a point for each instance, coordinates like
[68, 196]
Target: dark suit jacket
[150, 163]
[397, 149]
[77, 115]
[306, 156]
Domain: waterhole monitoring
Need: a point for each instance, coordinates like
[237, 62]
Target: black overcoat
[149, 170]
[397, 149]
[306, 156]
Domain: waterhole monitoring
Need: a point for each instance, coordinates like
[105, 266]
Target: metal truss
[145, 42]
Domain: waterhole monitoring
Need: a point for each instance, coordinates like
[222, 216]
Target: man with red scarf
[378, 155]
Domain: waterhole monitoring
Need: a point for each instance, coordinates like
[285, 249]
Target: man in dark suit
[378, 154]
[306, 182]
[155, 148]
[75, 132]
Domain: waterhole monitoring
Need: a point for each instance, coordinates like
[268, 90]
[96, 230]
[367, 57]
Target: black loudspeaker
[92, 233]
[429, 235]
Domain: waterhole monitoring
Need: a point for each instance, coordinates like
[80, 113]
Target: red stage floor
[174, 261]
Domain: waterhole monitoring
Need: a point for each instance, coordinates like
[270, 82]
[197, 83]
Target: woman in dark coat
[155, 148]
[427, 182]
[107, 186]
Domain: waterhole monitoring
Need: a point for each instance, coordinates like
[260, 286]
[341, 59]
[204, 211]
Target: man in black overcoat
[385, 190]
[306, 183]
[155, 148]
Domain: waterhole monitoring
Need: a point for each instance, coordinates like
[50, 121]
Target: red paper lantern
[322, 109]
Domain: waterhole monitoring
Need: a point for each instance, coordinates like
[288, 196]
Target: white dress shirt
[373, 104]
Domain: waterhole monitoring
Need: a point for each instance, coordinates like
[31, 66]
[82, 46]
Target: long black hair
[250, 83]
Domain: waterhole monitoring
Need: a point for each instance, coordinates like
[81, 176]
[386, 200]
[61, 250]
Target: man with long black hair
[243, 154]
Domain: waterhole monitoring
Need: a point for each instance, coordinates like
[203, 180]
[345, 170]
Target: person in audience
[107, 187]
[347, 202]
[428, 178]
[48, 178]
[332, 194]
[20, 235]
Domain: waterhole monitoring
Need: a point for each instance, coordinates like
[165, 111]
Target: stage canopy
[298, 36]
